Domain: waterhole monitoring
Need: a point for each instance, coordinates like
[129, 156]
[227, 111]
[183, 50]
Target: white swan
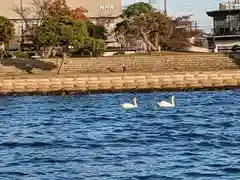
[167, 104]
[129, 105]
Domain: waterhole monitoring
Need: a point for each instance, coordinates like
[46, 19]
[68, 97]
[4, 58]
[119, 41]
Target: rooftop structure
[226, 25]
[226, 20]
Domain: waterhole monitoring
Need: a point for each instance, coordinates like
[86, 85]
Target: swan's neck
[134, 102]
[173, 103]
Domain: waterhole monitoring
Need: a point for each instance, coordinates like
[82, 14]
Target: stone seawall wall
[134, 63]
[149, 63]
[119, 82]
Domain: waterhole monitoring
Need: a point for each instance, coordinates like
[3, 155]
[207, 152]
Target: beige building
[105, 12]
[96, 8]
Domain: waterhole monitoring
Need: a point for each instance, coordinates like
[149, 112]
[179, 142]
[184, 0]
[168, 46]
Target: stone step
[138, 63]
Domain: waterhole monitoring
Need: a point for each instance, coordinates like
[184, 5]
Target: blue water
[91, 137]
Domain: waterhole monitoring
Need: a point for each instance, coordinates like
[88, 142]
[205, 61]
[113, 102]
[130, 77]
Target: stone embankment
[163, 71]
[153, 63]
[165, 62]
[113, 82]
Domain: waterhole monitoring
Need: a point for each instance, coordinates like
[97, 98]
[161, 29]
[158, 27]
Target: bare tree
[32, 18]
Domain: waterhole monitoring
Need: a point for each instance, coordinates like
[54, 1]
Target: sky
[197, 8]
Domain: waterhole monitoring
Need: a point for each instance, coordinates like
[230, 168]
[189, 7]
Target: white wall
[225, 43]
[197, 49]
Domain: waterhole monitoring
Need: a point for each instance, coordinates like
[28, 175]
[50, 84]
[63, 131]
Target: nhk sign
[107, 7]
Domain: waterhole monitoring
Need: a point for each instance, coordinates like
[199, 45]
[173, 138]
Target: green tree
[54, 10]
[63, 32]
[95, 47]
[96, 31]
[124, 34]
[145, 23]
[142, 22]
[6, 29]
[136, 9]
[43, 9]
[6, 33]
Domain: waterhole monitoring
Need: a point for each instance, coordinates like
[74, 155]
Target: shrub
[12, 47]
[20, 54]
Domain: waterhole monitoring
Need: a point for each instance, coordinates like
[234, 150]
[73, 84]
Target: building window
[101, 22]
[230, 17]
[228, 25]
[104, 21]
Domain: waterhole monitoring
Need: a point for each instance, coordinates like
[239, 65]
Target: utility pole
[22, 40]
[165, 6]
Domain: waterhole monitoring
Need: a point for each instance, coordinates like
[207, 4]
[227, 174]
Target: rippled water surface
[91, 137]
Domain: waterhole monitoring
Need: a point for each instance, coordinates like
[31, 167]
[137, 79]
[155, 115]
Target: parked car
[236, 48]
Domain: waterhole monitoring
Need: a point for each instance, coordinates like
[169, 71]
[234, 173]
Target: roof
[217, 13]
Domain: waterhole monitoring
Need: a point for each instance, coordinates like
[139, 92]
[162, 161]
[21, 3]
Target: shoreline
[64, 84]
[133, 91]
